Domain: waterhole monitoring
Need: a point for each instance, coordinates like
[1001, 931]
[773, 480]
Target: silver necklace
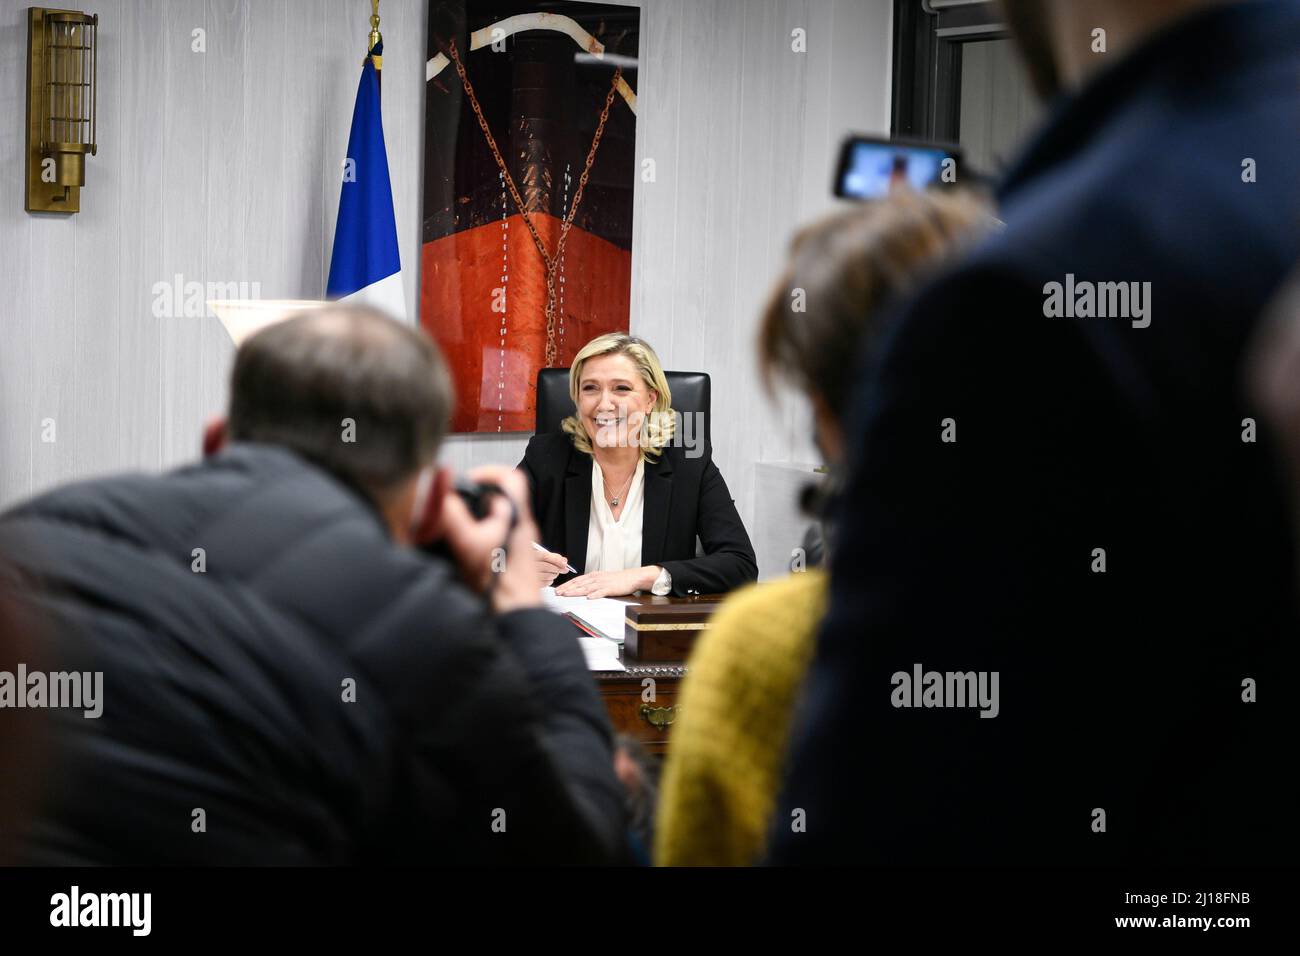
[626, 485]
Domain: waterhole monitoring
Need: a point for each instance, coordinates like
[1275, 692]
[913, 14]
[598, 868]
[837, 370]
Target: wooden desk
[626, 693]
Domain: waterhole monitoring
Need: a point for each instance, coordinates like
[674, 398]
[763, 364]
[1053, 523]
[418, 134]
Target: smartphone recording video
[871, 167]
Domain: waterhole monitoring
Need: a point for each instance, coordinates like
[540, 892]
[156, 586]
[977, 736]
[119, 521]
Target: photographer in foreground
[286, 678]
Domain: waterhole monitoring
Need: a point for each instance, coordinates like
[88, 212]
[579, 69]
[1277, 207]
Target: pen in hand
[568, 567]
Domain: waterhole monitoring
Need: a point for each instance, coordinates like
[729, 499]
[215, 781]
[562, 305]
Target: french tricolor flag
[366, 266]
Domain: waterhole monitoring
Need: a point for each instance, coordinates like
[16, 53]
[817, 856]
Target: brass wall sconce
[62, 53]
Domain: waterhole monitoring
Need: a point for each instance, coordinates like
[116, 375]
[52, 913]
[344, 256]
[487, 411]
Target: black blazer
[684, 497]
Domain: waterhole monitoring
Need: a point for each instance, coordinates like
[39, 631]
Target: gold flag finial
[375, 35]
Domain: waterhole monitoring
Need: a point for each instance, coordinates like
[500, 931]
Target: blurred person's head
[1056, 41]
[1273, 373]
[360, 395]
[845, 271]
[621, 395]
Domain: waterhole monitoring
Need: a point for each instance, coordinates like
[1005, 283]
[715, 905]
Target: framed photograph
[528, 182]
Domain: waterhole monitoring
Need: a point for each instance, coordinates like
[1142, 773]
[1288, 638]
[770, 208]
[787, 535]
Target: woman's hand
[549, 566]
[600, 584]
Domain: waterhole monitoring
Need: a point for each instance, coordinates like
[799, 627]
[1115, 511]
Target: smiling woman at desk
[616, 498]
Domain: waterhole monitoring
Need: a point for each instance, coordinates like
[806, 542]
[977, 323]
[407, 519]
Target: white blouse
[616, 545]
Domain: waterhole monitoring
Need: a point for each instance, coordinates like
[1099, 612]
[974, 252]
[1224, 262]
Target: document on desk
[601, 654]
[604, 615]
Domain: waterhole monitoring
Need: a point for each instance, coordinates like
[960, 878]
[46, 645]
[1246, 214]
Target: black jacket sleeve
[544, 459]
[526, 467]
[575, 728]
[511, 755]
[728, 560]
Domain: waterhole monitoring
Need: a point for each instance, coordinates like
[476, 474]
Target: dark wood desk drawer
[650, 722]
[662, 633]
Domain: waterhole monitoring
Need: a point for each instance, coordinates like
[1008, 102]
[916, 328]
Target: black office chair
[690, 395]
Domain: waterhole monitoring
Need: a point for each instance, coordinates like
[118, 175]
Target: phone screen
[869, 169]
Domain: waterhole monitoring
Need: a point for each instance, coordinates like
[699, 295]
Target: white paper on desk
[605, 615]
[601, 654]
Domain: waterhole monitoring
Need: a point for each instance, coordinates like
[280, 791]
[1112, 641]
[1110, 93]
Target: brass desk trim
[667, 627]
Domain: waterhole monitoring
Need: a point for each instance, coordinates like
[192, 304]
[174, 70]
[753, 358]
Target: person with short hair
[286, 678]
[619, 500]
[723, 769]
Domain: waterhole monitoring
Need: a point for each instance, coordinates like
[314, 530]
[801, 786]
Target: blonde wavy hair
[659, 424]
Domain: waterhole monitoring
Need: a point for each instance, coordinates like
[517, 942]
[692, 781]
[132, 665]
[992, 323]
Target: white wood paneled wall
[223, 166]
[218, 166]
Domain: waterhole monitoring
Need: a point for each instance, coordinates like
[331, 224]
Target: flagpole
[376, 38]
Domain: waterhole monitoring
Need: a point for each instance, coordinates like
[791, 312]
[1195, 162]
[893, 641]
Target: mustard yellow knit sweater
[727, 748]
